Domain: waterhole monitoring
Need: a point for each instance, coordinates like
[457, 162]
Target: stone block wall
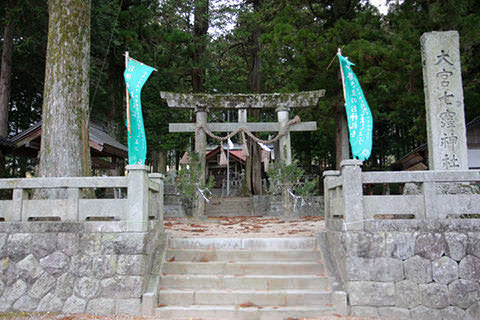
[410, 269]
[75, 267]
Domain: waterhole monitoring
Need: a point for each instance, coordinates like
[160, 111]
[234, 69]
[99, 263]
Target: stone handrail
[144, 199]
[348, 208]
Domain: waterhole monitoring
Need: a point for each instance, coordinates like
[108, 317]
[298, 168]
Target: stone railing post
[352, 194]
[428, 190]
[72, 204]
[328, 177]
[157, 197]
[138, 197]
[18, 196]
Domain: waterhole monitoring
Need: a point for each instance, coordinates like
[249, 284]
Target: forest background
[242, 46]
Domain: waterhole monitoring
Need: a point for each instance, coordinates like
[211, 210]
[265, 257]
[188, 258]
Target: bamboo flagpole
[339, 51]
[129, 125]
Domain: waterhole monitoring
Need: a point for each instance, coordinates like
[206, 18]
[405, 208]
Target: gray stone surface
[430, 245]
[387, 269]
[42, 286]
[128, 306]
[418, 269]
[87, 288]
[364, 244]
[29, 268]
[65, 284]
[26, 303]
[463, 293]
[452, 313]
[68, 243]
[131, 265]
[132, 243]
[50, 303]
[55, 263]
[90, 243]
[473, 311]
[101, 306]
[2, 287]
[407, 294]
[43, 244]
[74, 305]
[358, 268]
[444, 270]
[81, 265]
[456, 245]
[424, 313]
[394, 313]
[104, 266]
[400, 244]
[19, 246]
[366, 293]
[122, 287]
[434, 295]
[470, 268]
[15, 291]
[360, 311]
[9, 272]
[473, 244]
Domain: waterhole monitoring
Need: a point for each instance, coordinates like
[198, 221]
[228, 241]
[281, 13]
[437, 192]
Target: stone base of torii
[280, 102]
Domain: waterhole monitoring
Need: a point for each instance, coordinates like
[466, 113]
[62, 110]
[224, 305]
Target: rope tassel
[223, 157]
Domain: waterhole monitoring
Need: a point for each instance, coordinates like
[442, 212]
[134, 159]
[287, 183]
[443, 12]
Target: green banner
[136, 74]
[359, 117]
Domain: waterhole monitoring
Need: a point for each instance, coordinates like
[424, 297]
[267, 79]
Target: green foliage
[188, 177]
[298, 43]
[292, 177]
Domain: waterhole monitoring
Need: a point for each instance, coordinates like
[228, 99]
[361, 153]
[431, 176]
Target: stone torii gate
[202, 103]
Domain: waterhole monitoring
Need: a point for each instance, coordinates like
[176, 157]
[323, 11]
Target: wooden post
[200, 149]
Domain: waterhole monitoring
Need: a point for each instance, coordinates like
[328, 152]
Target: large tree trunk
[65, 147]
[253, 161]
[200, 28]
[5, 76]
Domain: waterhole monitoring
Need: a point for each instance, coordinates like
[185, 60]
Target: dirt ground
[246, 227]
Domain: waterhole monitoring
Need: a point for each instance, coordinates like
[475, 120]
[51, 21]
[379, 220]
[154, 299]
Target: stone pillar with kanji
[447, 143]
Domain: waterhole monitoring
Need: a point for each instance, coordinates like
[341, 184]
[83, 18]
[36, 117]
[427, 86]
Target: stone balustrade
[143, 201]
[404, 256]
[347, 207]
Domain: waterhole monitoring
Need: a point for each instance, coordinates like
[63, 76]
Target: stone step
[244, 268]
[211, 312]
[241, 255]
[253, 282]
[244, 243]
[237, 297]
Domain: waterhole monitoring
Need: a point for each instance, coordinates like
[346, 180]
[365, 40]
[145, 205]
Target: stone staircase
[235, 278]
[229, 207]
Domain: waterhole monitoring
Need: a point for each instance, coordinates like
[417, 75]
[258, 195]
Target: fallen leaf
[171, 259]
[247, 305]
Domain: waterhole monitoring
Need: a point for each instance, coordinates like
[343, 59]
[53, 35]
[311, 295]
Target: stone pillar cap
[132, 167]
[351, 162]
